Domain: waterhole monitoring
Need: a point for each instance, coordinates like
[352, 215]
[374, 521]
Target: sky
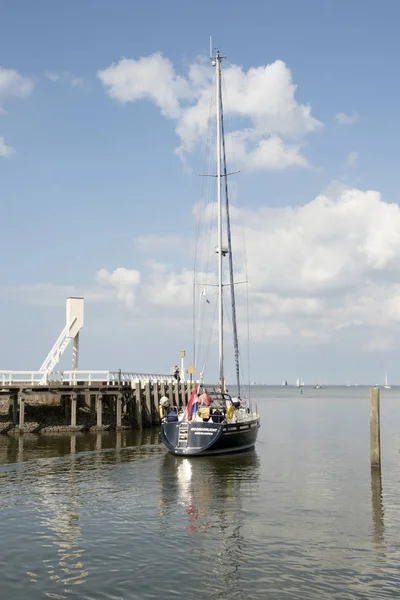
[104, 111]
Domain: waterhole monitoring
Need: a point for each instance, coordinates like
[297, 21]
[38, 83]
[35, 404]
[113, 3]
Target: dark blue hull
[196, 437]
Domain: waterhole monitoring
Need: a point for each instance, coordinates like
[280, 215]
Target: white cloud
[270, 152]
[123, 281]
[52, 76]
[352, 158]
[316, 273]
[343, 119]
[151, 77]
[262, 97]
[66, 77]
[13, 83]
[4, 149]
[168, 289]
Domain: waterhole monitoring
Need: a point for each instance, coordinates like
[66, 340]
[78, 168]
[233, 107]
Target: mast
[217, 61]
[231, 275]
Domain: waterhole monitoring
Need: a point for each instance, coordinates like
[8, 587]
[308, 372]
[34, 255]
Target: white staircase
[71, 331]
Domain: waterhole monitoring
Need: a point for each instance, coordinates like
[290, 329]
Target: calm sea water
[114, 517]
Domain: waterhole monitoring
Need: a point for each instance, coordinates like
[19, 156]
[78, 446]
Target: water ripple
[114, 517]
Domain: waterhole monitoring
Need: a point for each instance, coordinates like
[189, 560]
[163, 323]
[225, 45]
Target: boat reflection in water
[208, 486]
[208, 500]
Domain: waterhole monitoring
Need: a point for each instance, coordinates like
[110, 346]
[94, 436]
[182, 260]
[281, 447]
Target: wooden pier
[117, 403]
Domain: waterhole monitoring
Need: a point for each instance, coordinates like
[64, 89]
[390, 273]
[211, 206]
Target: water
[112, 516]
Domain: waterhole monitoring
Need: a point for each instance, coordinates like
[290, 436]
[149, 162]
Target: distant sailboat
[387, 386]
[299, 383]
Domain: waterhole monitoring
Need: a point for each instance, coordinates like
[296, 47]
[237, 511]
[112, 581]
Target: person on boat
[164, 406]
[205, 399]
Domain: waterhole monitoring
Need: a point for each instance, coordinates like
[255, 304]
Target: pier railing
[75, 377]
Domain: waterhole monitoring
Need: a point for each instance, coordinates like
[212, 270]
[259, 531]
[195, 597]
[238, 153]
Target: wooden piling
[170, 393]
[183, 393]
[15, 408]
[162, 389]
[176, 391]
[92, 405]
[73, 410]
[374, 420]
[138, 405]
[88, 400]
[21, 402]
[99, 410]
[377, 508]
[119, 411]
[146, 407]
[156, 398]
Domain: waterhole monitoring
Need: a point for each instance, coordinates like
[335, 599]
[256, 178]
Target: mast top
[217, 56]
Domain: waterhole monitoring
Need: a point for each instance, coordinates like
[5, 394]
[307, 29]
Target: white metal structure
[74, 323]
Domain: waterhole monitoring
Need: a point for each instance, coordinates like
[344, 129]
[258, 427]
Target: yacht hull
[209, 438]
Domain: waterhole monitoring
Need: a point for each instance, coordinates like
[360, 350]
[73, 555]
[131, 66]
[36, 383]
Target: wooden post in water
[374, 423]
[377, 509]
[147, 412]
[138, 404]
[99, 410]
[92, 405]
[156, 397]
[21, 402]
[73, 443]
[73, 411]
[118, 438]
[119, 411]
[15, 408]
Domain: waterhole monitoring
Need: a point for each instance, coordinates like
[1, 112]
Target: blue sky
[85, 173]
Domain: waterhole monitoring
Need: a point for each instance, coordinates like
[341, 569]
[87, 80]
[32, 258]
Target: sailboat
[387, 386]
[214, 422]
